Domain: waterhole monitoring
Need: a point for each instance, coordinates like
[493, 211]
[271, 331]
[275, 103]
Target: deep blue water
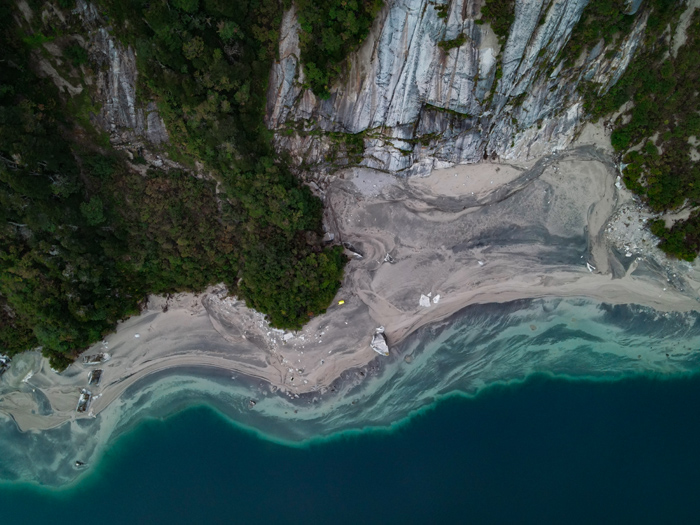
[541, 452]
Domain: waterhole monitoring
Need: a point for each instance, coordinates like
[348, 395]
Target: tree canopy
[84, 237]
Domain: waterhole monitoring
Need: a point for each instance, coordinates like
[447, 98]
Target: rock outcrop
[111, 79]
[125, 119]
[120, 114]
[417, 106]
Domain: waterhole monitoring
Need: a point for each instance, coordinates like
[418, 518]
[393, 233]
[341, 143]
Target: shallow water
[482, 346]
[540, 452]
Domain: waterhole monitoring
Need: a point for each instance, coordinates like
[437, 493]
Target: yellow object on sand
[341, 302]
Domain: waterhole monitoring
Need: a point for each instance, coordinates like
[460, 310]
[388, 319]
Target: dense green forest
[500, 14]
[654, 135]
[331, 29]
[84, 239]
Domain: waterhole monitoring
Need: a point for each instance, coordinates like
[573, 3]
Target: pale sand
[465, 180]
[528, 234]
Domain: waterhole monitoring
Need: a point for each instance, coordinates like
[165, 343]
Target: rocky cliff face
[417, 106]
[120, 115]
[115, 85]
[111, 79]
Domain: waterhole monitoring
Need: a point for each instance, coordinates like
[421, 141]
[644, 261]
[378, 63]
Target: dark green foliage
[209, 69]
[458, 41]
[83, 239]
[36, 40]
[293, 290]
[330, 30]
[499, 72]
[188, 6]
[443, 10]
[58, 361]
[682, 240]
[620, 139]
[76, 54]
[184, 241]
[54, 274]
[93, 210]
[663, 90]
[353, 145]
[15, 334]
[500, 14]
[99, 165]
[601, 20]
[71, 279]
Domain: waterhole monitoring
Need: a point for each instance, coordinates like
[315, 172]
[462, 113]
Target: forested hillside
[84, 238]
[88, 230]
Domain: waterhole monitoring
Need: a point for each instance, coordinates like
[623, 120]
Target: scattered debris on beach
[424, 300]
[84, 400]
[96, 359]
[94, 377]
[356, 253]
[629, 232]
[378, 343]
[4, 363]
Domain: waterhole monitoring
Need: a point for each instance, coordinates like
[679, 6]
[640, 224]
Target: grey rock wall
[400, 82]
[121, 115]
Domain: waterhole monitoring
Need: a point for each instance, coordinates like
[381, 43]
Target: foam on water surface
[480, 346]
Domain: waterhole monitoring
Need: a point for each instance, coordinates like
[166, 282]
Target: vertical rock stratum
[416, 106]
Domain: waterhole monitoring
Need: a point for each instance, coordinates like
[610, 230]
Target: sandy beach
[422, 249]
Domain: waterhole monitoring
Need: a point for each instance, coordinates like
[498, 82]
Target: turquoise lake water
[545, 451]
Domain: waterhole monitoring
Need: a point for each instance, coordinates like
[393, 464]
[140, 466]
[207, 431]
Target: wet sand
[471, 234]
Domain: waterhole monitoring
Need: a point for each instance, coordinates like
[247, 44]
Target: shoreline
[87, 474]
[469, 234]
